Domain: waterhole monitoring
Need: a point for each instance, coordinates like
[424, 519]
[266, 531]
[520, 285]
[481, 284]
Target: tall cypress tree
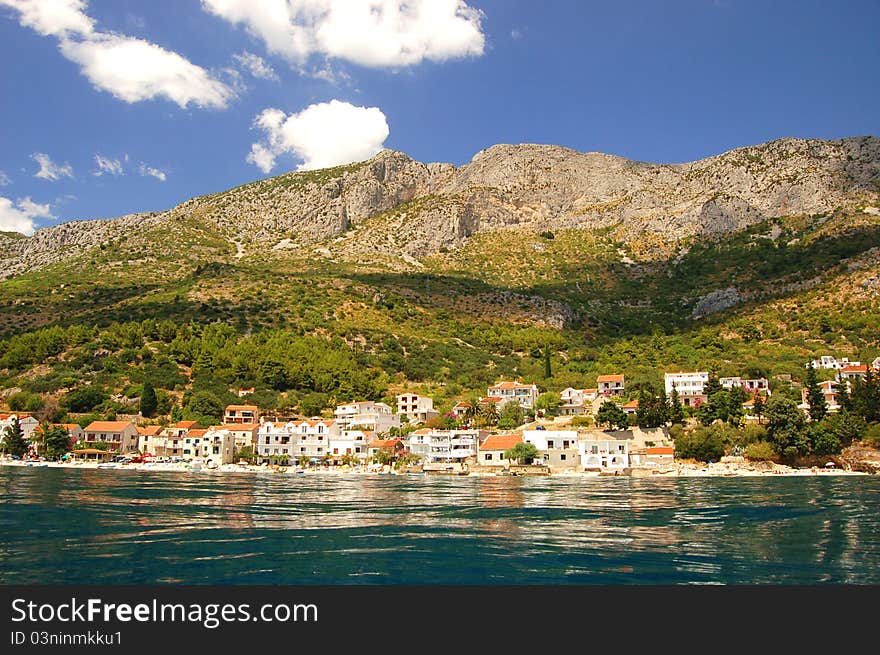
[13, 439]
[548, 372]
[815, 397]
[149, 402]
[676, 411]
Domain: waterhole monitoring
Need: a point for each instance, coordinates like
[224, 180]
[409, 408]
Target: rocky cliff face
[395, 205]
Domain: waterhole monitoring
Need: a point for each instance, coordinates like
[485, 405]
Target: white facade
[215, 445]
[831, 362]
[418, 409]
[751, 387]
[524, 394]
[351, 442]
[26, 422]
[603, 453]
[366, 415]
[688, 385]
[545, 440]
[296, 439]
[443, 445]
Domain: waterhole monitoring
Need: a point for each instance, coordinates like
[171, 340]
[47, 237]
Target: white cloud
[131, 69]
[19, 217]
[53, 17]
[49, 170]
[321, 135]
[107, 165]
[134, 70]
[374, 33]
[256, 66]
[5, 180]
[145, 170]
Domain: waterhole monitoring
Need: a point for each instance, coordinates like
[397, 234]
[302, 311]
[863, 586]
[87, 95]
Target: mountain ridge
[426, 208]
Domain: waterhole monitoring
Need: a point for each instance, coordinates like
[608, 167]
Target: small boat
[107, 466]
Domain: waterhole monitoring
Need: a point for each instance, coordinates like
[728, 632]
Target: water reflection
[151, 527]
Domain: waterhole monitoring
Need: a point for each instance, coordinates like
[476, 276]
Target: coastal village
[413, 437]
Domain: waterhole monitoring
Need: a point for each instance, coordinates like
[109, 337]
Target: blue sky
[117, 106]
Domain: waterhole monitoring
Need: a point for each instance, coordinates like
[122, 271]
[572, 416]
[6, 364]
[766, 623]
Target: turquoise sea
[136, 527]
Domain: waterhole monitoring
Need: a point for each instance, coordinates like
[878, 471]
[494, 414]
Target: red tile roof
[150, 430]
[632, 404]
[512, 385]
[185, 425]
[610, 378]
[863, 368]
[660, 450]
[108, 426]
[252, 408]
[196, 432]
[500, 441]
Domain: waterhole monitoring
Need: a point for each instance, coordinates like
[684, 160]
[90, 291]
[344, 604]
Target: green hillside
[308, 328]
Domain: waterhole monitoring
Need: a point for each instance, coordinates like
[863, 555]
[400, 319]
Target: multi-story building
[303, 438]
[26, 423]
[244, 434]
[832, 396]
[603, 453]
[241, 414]
[444, 445]
[690, 386]
[576, 401]
[611, 385]
[524, 394]
[366, 415]
[148, 438]
[120, 436]
[417, 409]
[218, 445]
[351, 442]
[831, 362]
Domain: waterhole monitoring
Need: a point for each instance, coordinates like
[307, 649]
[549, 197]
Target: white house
[849, 374]
[831, 393]
[611, 385]
[524, 394]
[366, 415]
[351, 442]
[418, 409]
[492, 449]
[688, 385]
[218, 445]
[551, 439]
[603, 453]
[831, 362]
[26, 422]
[751, 387]
[294, 439]
[574, 401]
[444, 445]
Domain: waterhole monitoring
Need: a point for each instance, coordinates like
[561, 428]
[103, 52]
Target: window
[563, 457]
[550, 444]
[488, 456]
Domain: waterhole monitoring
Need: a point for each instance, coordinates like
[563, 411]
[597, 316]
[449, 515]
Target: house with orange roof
[214, 444]
[460, 409]
[630, 407]
[244, 434]
[120, 436]
[493, 447]
[149, 437]
[393, 446]
[848, 374]
[245, 391]
[241, 414]
[611, 385]
[507, 391]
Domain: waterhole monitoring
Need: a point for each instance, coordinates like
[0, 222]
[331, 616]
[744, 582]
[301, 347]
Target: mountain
[396, 207]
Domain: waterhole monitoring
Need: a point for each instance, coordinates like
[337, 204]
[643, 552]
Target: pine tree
[676, 411]
[548, 372]
[56, 440]
[759, 406]
[815, 397]
[149, 402]
[13, 439]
